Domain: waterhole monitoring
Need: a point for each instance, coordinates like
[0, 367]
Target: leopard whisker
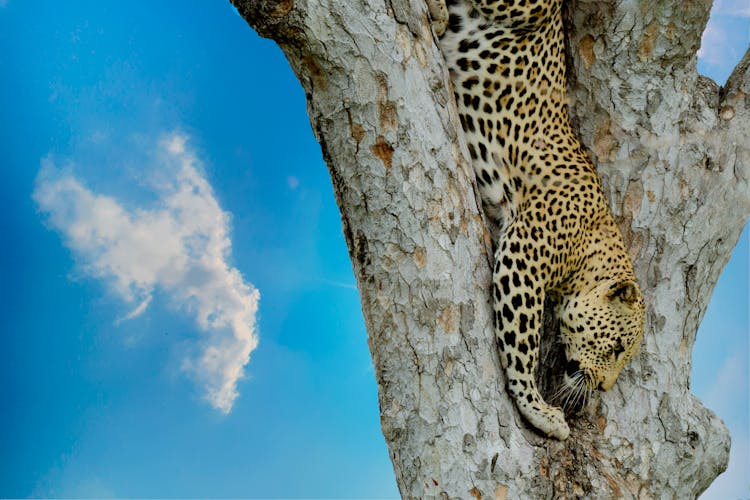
[561, 390]
[584, 390]
[568, 393]
[580, 391]
[577, 378]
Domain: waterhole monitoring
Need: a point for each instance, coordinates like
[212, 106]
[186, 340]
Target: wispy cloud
[179, 246]
[140, 309]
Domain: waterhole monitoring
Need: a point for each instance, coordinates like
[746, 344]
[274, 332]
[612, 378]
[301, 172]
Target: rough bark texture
[672, 150]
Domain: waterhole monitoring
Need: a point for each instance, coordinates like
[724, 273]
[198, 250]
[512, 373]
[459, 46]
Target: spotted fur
[556, 236]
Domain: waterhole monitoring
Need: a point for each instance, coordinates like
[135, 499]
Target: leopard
[555, 235]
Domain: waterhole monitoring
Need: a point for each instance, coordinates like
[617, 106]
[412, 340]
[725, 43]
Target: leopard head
[602, 330]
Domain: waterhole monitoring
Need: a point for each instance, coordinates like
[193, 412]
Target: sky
[181, 315]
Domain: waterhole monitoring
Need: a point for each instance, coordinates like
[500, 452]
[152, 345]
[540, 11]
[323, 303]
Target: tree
[671, 147]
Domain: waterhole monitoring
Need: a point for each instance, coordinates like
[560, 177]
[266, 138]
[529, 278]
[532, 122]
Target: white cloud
[179, 247]
[140, 309]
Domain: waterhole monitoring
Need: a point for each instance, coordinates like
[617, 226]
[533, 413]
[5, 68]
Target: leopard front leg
[518, 308]
[439, 14]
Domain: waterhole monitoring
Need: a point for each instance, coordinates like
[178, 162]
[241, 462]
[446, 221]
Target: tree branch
[734, 109]
[631, 53]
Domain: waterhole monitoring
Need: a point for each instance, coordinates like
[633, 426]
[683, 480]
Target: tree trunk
[672, 150]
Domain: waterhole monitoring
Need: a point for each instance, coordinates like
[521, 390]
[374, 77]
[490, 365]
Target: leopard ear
[625, 292]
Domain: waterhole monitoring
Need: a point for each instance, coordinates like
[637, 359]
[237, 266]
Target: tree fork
[666, 141]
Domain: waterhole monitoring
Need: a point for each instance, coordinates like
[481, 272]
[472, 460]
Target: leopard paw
[550, 420]
[557, 426]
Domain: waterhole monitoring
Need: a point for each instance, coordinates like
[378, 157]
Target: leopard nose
[572, 367]
[606, 385]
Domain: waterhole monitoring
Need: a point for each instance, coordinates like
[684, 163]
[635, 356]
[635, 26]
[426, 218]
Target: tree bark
[672, 150]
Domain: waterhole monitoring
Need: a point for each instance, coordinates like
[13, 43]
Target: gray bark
[673, 153]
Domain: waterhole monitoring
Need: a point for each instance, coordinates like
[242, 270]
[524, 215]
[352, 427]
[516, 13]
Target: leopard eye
[618, 349]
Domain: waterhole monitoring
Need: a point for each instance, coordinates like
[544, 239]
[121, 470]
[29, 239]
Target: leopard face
[602, 330]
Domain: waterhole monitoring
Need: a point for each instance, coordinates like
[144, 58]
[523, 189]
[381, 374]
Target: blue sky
[166, 207]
